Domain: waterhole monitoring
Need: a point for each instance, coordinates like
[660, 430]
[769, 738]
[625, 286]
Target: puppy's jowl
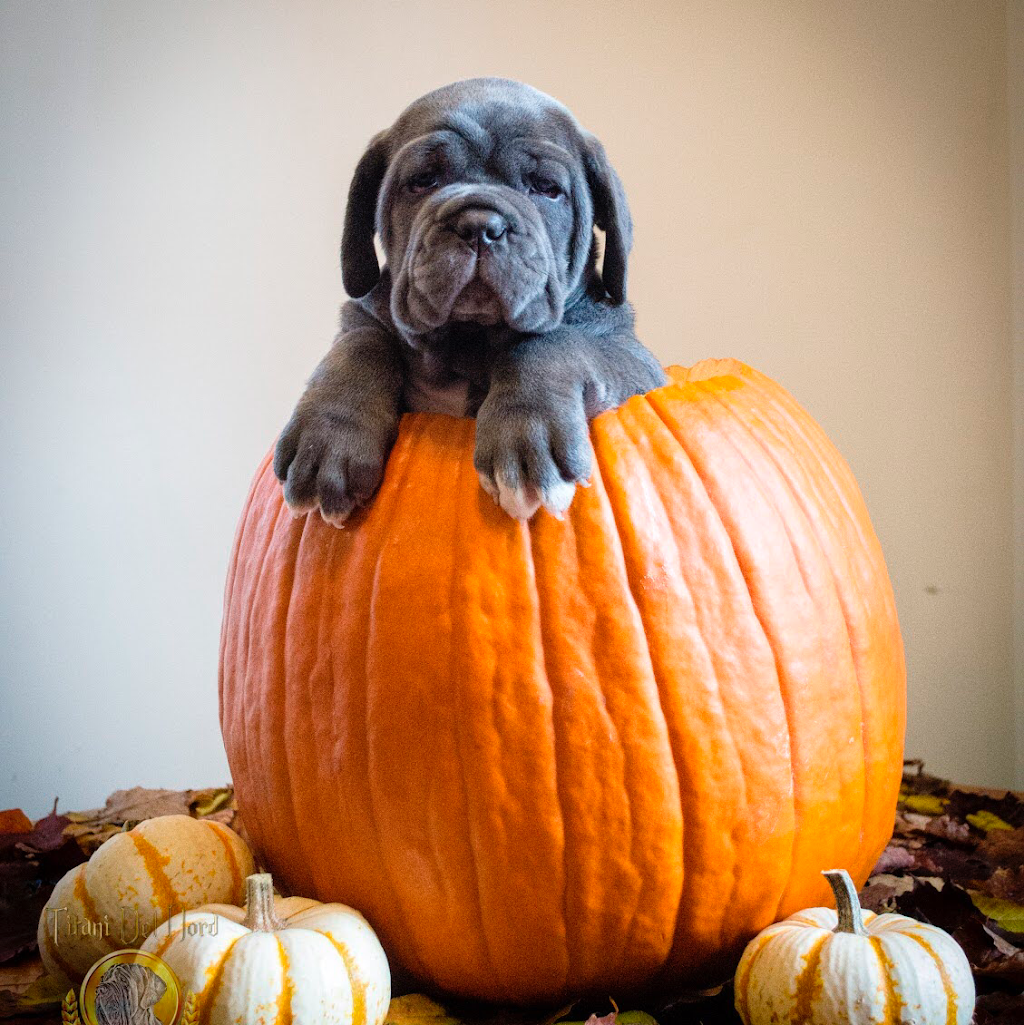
[485, 195]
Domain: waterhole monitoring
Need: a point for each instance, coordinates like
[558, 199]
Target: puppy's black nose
[478, 225]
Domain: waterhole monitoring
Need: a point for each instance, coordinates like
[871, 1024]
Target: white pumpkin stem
[259, 904]
[847, 902]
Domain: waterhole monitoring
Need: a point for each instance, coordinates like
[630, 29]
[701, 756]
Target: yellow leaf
[209, 801]
[924, 804]
[986, 820]
[416, 1009]
[1004, 913]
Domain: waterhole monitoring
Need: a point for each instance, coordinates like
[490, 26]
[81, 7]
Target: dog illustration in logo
[126, 995]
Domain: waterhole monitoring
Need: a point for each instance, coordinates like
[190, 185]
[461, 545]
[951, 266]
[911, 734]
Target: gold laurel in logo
[130, 986]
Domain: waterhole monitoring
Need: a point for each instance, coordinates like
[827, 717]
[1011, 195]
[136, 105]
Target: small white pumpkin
[133, 881]
[818, 967]
[277, 961]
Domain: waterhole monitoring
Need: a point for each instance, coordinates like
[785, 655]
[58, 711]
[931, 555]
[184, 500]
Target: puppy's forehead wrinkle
[464, 124]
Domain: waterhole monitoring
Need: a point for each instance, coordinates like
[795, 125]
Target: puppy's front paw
[528, 457]
[326, 460]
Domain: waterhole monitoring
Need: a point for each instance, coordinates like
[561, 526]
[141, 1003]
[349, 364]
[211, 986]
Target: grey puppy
[485, 195]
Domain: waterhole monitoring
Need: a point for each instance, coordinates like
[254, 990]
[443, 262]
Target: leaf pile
[956, 860]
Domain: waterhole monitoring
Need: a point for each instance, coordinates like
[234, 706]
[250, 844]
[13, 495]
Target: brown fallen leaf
[14, 820]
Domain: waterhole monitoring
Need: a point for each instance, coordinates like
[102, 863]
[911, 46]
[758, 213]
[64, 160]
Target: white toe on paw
[485, 483]
[558, 498]
[300, 510]
[336, 519]
[520, 502]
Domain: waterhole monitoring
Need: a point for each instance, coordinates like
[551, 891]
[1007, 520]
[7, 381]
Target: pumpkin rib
[284, 997]
[233, 629]
[251, 703]
[232, 577]
[625, 430]
[348, 702]
[797, 425]
[893, 1002]
[386, 516]
[56, 956]
[300, 702]
[693, 798]
[356, 980]
[225, 841]
[289, 695]
[741, 987]
[947, 982]
[764, 490]
[275, 705]
[154, 863]
[636, 839]
[207, 997]
[786, 702]
[460, 741]
[843, 488]
[672, 418]
[826, 552]
[809, 982]
[727, 533]
[559, 775]
[81, 891]
[808, 529]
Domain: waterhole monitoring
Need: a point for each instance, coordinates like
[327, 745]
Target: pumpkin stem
[259, 904]
[847, 903]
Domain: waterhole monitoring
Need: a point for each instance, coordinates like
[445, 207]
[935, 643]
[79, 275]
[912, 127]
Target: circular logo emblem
[130, 986]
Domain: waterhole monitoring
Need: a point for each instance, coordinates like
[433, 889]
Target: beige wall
[821, 189]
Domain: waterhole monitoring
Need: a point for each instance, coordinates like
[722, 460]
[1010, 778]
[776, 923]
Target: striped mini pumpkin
[277, 961]
[133, 882]
[819, 967]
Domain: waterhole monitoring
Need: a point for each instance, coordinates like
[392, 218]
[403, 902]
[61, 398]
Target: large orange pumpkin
[590, 755]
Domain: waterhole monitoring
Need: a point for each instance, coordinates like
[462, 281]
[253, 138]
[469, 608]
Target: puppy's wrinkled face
[484, 208]
[481, 228]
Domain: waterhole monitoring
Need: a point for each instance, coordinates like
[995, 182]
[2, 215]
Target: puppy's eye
[422, 182]
[545, 187]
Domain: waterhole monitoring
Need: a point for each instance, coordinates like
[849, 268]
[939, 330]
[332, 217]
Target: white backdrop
[820, 188]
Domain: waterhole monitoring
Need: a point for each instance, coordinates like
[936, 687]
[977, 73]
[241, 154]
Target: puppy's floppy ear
[611, 215]
[359, 269]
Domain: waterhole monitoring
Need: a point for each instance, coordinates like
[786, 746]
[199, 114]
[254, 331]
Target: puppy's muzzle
[489, 241]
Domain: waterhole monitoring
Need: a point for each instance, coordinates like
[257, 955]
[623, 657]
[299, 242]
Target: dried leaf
[986, 820]
[206, 802]
[636, 1018]
[42, 997]
[924, 804]
[14, 820]
[1000, 1009]
[1003, 849]
[46, 835]
[1007, 884]
[416, 1009]
[136, 804]
[1007, 915]
[1008, 807]
[31, 862]
[893, 859]
[19, 974]
[948, 829]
